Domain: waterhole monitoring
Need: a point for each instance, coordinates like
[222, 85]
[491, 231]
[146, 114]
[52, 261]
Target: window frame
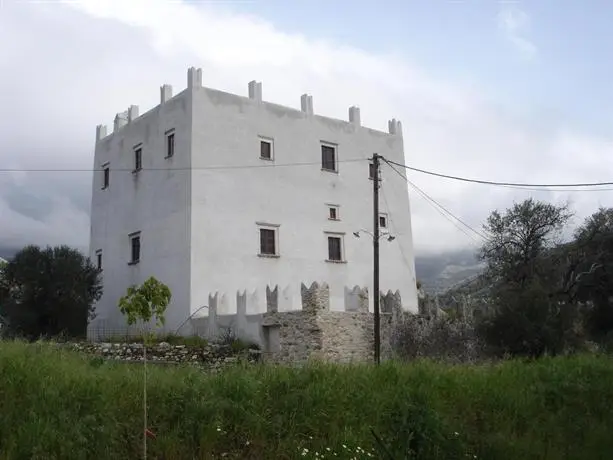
[270, 141]
[137, 157]
[371, 170]
[336, 208]
[106, 175]
[262, 226]
[383, 215]
[341, 238]
[168, 135]
[135, 236]
[334, 147]
[99, 259]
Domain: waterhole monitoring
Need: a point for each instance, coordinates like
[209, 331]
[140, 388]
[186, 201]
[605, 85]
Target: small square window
[328, 158]
[333, 213]
[138, 159]
[335, 249]
[268, 242]
[135, 248]
[99, 259]
[170, 144]
[383, 220]
[106, 173]
[266, 149]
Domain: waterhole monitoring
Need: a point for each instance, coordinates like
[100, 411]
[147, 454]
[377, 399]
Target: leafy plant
[144, 303]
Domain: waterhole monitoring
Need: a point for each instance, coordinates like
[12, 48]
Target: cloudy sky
[505, 91]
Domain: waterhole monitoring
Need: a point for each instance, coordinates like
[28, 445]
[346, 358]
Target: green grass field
[58, 405]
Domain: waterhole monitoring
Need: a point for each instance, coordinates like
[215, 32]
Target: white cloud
[75, 65]
[515, 23]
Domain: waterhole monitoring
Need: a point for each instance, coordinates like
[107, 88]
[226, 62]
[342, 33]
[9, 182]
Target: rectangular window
[268, 242]
[383, 220]
[333, 213]
[106, 173]
[328, 157]
[138, 158]
[371, 171]
[266, 149]
[135, 248]
[335, 248]
[170, 143]
[99, 259]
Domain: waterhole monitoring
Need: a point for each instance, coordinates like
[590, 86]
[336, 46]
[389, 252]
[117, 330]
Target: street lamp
[389, 236]
[376, 236]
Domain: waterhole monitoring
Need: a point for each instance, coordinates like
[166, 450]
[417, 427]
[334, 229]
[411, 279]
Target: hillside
[439, 272]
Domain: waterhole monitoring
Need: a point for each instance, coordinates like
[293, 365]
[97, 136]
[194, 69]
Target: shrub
[437, 337]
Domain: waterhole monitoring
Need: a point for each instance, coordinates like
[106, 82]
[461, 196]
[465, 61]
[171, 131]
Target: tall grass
[58, 405]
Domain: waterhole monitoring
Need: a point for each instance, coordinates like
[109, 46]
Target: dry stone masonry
[314, 331]
[209, 357]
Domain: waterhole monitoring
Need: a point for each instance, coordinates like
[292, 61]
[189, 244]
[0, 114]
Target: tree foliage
[589, 273]
[519, 238]
[528, 319]
[146, 302]
[49, 292]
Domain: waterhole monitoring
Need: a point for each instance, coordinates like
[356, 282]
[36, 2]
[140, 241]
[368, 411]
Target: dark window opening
[170, 145]
[267, 242]
[266, 150]
[371, 171]
[334, 248]
[135, 255]
[99, 260]
[333, 214]
[328, 158]
[382, 221]
[105, 177]
[138, 159]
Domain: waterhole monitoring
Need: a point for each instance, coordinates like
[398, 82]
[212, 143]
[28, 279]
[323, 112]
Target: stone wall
[209, 357]
[291, 327]
[315, 332]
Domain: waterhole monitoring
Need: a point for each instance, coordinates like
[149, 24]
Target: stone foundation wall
[210, 357]
[291, 337]
[315, 332]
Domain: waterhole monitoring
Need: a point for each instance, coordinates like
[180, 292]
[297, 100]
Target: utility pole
[375, 243]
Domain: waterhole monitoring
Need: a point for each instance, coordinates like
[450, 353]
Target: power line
[439, 207]
[188, 168]
[518, 186]
[507, 184]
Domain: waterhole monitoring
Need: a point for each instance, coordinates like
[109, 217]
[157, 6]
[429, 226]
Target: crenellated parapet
[254, 93]
[295, 323]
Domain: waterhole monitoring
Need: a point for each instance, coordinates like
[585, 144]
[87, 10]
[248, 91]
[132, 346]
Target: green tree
[589, 272]
[518, 240]
[523, 264]
[49, 292]
[144, 303]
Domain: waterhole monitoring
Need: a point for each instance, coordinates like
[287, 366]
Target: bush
[531, 323]
[438, 337]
